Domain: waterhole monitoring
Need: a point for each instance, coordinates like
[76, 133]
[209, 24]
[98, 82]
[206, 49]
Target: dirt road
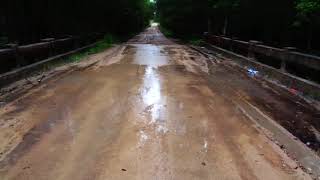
[144, 111]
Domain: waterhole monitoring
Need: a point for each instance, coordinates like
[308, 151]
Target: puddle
[151, 93]
[143, 138]
[150, 55]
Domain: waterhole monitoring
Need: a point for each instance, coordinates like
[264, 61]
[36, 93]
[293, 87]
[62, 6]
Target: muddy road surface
[145, 111]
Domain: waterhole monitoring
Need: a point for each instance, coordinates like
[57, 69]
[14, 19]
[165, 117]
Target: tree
[30, 20]
[264, 20]
[308, 13]
[226, 8]
[183, 17]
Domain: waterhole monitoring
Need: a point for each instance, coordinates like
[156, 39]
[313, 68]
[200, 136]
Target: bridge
[152, 108]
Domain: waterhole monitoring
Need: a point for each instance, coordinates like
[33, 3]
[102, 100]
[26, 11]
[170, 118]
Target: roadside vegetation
[26, 21]
[278, 23]
[107, 42]
[196, 41]
[103, 44]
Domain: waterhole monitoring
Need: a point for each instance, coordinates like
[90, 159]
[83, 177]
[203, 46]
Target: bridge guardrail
[15, 56]
[255, 49]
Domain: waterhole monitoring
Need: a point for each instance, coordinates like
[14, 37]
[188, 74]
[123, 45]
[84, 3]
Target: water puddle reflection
[205, 145]
[151, 93]
[150, 55]
[143, 137]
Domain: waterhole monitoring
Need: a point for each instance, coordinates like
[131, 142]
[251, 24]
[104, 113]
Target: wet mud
[154, 110]
[293, 113]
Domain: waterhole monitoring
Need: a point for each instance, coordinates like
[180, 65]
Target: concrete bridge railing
[297, 71]
[14, 56]
[255, 50]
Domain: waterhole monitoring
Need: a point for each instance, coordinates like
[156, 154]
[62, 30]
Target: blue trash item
[252, 72]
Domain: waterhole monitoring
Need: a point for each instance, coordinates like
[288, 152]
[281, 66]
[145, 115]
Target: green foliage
[196, 41]
[224, 4]
[274, 22]
[105, 43]
[182, 17]
[308, 7]
[166, 32]
[29, 21]
[308, 12]
[308, 17]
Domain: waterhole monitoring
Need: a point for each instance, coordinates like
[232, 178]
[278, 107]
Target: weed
[166, 32]
[196, 42]
[101, 45]
[105, 43]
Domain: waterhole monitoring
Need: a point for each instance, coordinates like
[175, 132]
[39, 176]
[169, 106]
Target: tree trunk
[209, 25]
[310, 36]
[225, 26]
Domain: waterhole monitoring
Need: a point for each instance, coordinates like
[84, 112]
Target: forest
[278, 23]
[27, 21]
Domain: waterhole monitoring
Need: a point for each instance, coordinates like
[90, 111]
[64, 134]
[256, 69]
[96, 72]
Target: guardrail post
[76, 43]
[232, 43]
[251, 53]
[18, 57]
[205, 36]
[218, 41]
[51, 45]
[285, 57]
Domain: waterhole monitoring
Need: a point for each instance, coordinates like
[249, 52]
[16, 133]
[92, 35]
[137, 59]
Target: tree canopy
[30, 20]
[279, 23]
[308, 7]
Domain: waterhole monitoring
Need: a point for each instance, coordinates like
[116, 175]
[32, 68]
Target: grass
[105, 43]
[196, 41]
[166, 32]
[101, 45]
